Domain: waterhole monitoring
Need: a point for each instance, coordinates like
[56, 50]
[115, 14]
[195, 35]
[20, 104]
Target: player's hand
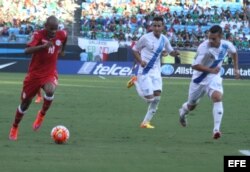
[48, 44]
[215, 70]
[164, 53]
[143, 64]
[62, 53]
[175, 53]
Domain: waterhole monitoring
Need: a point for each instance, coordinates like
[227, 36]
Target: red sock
[18, 118]
[46, 105]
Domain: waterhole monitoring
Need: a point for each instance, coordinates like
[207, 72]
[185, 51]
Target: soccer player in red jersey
[45, 47]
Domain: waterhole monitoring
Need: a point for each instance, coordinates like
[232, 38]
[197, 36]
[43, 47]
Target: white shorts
[149, 83]
[196, 91]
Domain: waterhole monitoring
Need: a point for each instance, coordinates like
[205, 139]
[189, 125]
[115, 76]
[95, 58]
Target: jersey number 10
[51, 50]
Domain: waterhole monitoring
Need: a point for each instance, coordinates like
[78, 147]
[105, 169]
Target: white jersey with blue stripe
[210, 57]
[150, 49]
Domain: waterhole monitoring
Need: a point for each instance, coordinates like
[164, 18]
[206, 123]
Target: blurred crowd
[19, 18]
[187, 21]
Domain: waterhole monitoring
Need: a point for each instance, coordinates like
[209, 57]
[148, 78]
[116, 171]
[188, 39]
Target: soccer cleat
[131, 82]
[146, 125]
[13, 133]
[38, 122]
[183, 120]
[38, 99]
[216, 135]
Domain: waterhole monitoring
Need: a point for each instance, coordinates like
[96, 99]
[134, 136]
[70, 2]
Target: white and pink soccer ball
[60, 134]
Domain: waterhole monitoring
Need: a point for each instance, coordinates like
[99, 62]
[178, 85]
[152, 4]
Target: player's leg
[216, 94]
[39, 96]
[133, 78]
[153, 87]
[196, 91]
[30, 89]
[49, 89]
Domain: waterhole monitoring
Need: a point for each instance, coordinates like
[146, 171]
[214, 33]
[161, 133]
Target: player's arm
[233, 52]
[136, 51]
[170, 50]
[35, 45]
[62, 52]
[198, 62]
[138, 58]
[236, 67]
[33, 49]
[203, 68]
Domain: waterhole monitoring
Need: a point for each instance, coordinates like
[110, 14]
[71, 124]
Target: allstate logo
[222, 71]
[167, 69]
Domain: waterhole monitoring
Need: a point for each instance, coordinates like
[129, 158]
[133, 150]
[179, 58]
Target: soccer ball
[60, 134]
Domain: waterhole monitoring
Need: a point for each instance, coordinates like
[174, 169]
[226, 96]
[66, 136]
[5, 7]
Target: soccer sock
[18, 117]
[184, 109]
[217, 114]
[152, 108]
[46, 104]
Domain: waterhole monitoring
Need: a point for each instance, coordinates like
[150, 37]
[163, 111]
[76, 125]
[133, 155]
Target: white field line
[102, 77]
[245, 152]
[82, 82]
[63, 85]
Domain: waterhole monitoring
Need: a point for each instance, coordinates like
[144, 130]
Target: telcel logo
[112, 70]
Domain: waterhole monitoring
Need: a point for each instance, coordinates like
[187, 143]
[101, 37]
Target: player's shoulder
[62, 33]
[203, 47]
[40, 33]
[227, 43]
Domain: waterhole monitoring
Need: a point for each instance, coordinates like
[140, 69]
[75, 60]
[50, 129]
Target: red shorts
[31, 86]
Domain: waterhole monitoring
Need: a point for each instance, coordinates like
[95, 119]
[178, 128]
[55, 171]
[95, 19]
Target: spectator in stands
[5, 31]
[84, 55]
[21, 31]
[247, 10]
[12, 37]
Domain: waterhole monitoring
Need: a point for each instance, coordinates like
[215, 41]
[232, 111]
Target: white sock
[217, 114]
[184, 109]
[152, 108]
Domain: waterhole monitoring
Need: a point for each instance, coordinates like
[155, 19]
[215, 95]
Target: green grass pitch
[103, 118]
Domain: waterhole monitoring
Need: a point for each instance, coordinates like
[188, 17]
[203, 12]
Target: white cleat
[183, 120]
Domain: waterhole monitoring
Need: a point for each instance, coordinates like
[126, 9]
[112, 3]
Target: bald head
[51, 26]
[52, 20]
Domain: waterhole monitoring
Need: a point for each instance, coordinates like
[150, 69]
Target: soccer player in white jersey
[148, 52]
[206, 77]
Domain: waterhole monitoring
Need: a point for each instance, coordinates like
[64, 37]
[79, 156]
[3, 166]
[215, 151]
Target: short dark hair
[158, 18]
[216, 29]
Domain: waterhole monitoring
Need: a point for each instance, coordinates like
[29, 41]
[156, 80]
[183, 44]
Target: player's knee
[149, 100]
[49, 97]
[25, 105]
[217, 98]
[191, 107]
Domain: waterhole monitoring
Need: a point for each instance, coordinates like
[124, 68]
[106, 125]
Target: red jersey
[43, 62]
